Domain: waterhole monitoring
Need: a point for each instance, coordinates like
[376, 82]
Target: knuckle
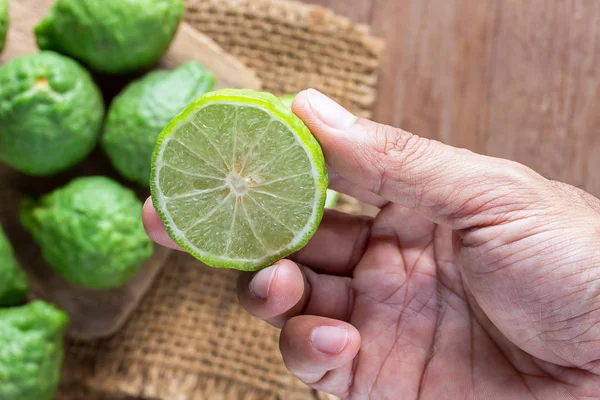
[515, 173]
[398, 144]
[504, 190]
[395, 151]
[544, 192]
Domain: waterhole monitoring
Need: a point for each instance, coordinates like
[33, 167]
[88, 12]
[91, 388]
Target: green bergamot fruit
[51, 113]
[31, 351]
[90, 231]
[4, 20]
[143, 109]
[13, 281]
[112, 36]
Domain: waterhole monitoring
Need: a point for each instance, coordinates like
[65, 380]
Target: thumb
[450, 185]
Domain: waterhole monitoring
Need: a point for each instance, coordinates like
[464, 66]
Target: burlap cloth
[189, 339]
[293, 46]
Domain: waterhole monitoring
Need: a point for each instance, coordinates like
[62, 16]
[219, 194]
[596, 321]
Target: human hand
[478, 279]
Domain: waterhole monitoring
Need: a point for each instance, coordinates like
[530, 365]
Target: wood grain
[509, 78]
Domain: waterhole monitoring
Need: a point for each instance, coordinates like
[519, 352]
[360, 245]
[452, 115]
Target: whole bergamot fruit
[90, 231]
[113, 36]
[4, 20]
[13, 281]
[51, 113]
[31, 351]
[143, 109]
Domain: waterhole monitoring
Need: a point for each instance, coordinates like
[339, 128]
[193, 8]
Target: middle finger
[286, 290]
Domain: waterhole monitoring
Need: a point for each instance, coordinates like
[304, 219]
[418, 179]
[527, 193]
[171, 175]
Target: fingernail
[260, 284]
[330, 112]
[329, 339]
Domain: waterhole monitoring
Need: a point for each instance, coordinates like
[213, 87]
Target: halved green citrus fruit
[238, 180]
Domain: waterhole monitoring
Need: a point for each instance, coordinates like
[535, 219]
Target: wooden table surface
[509, 78]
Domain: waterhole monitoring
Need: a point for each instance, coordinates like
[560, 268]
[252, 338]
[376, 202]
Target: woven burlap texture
[189, 339]
[293, 46]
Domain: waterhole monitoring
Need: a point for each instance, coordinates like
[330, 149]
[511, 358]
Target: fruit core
[240, 185]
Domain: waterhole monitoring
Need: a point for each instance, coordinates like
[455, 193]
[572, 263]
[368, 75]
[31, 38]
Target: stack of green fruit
[52, 116]
[31, 335]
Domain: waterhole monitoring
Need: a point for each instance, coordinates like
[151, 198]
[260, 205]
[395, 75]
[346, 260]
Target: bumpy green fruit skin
[4, 20]
[51, 113]
[90, 231]
[143, 109]
[31, 351]
[14, 284]
[111, 36]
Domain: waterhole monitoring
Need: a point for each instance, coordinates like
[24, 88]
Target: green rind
[90, 231]
[51, 113]
[275, 107]
[31, 351]
[111, 36]
[14, 283]
[139, 113]
[332, 195]
[4, 23]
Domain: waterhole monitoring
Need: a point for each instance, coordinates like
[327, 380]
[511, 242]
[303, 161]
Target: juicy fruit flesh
[332, 195]
[237, 185]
